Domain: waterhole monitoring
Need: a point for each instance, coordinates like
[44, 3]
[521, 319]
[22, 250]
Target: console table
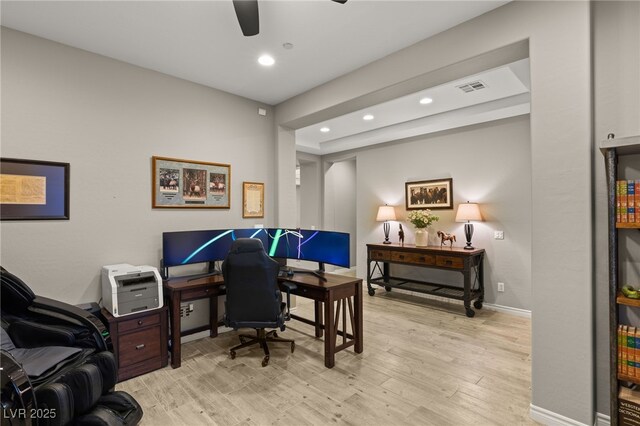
[468, 262]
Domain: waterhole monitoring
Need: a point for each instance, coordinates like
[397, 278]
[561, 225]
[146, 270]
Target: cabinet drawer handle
[401, 256]
[422, 259]
[140, 322]
[140, 347]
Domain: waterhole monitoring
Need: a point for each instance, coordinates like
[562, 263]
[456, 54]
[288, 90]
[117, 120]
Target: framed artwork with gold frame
[252, 199]
[190, 184]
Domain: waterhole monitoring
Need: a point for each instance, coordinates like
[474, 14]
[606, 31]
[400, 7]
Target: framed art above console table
[190, 184]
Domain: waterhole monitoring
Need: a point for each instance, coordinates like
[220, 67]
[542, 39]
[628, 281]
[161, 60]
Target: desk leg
[318, 317]
[213, 315]
[175, 330]
[358, 319]
[329, 333]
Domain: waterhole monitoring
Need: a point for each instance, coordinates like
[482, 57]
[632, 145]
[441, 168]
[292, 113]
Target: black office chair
[253, 296]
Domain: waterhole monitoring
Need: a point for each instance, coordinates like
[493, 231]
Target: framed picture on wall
[190, 184]
[33, 190]
[429, 194]
[252, 199]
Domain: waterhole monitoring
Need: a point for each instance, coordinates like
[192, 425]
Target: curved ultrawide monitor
[309, 244]
[186, 247]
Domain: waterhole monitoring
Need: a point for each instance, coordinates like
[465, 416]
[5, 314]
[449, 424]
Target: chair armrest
[29, 334]
[288, 287]
[74, 315]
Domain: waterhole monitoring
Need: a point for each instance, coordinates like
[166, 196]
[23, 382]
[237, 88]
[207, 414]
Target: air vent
[472, 87]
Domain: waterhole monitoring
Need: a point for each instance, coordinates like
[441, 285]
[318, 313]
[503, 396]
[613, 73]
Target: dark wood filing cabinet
[139, 341]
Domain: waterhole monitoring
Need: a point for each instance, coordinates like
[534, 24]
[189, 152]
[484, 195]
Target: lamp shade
[468, 211]
[386, 213]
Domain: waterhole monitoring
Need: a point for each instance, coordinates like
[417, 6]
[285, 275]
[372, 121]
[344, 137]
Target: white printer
[128, 289]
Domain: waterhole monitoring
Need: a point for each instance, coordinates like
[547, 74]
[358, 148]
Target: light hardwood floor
[424, 363]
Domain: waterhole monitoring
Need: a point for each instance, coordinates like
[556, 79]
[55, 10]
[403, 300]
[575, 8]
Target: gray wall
[108, 119]
[310, 195]
[561, 158]
[490, 164]
[616, 59]
[340, 201]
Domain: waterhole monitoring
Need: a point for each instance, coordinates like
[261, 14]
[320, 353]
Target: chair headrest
[16, 295]
[246, 245]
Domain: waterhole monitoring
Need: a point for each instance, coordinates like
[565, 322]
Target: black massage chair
[56, 366]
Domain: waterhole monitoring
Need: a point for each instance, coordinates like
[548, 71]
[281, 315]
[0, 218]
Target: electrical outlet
[501, 287]
[498, 235]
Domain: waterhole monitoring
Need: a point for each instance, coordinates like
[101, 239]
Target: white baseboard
[508, 310]
[550, 418]
[603, 420]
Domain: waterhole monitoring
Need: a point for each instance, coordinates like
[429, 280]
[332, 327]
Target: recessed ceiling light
[324, 129]
[425, 101]
[266, 60]
[368, 117]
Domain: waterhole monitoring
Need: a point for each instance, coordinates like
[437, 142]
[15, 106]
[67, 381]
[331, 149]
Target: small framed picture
[252, 199]
[429, 194]
[33, 190]
[190, 184]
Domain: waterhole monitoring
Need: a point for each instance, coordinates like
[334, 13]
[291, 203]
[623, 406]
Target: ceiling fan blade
[340, 1]
[247, 13]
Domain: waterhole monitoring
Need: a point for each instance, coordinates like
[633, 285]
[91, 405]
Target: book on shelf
[631, 344]
[631, 201]
[623, 352]
[628, 201]
[628, 407]
[637, 201]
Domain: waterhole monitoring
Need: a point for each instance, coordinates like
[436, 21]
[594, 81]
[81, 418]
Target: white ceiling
[505, 94]
[201, 41]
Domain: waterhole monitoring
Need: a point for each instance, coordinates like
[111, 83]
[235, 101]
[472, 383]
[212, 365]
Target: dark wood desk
[185, 289]
[340, 298]
[468, 262]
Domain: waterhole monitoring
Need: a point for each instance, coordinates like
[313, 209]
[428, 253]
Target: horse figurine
[401, 235]
[446, 237]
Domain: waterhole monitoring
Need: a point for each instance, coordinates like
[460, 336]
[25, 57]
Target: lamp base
[387, 227]
[468, 233]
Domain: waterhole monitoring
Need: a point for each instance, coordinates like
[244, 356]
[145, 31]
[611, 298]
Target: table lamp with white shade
[466, 213]
[385, 214]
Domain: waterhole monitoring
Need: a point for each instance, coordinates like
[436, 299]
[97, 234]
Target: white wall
[559, 45]
[616, 66]
[108, 119]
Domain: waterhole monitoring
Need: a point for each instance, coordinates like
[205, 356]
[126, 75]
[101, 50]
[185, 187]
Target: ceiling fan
[247, 13]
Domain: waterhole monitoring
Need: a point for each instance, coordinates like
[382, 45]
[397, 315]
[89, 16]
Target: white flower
[422, 218]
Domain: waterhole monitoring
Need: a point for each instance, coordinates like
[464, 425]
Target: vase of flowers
[421, 219]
